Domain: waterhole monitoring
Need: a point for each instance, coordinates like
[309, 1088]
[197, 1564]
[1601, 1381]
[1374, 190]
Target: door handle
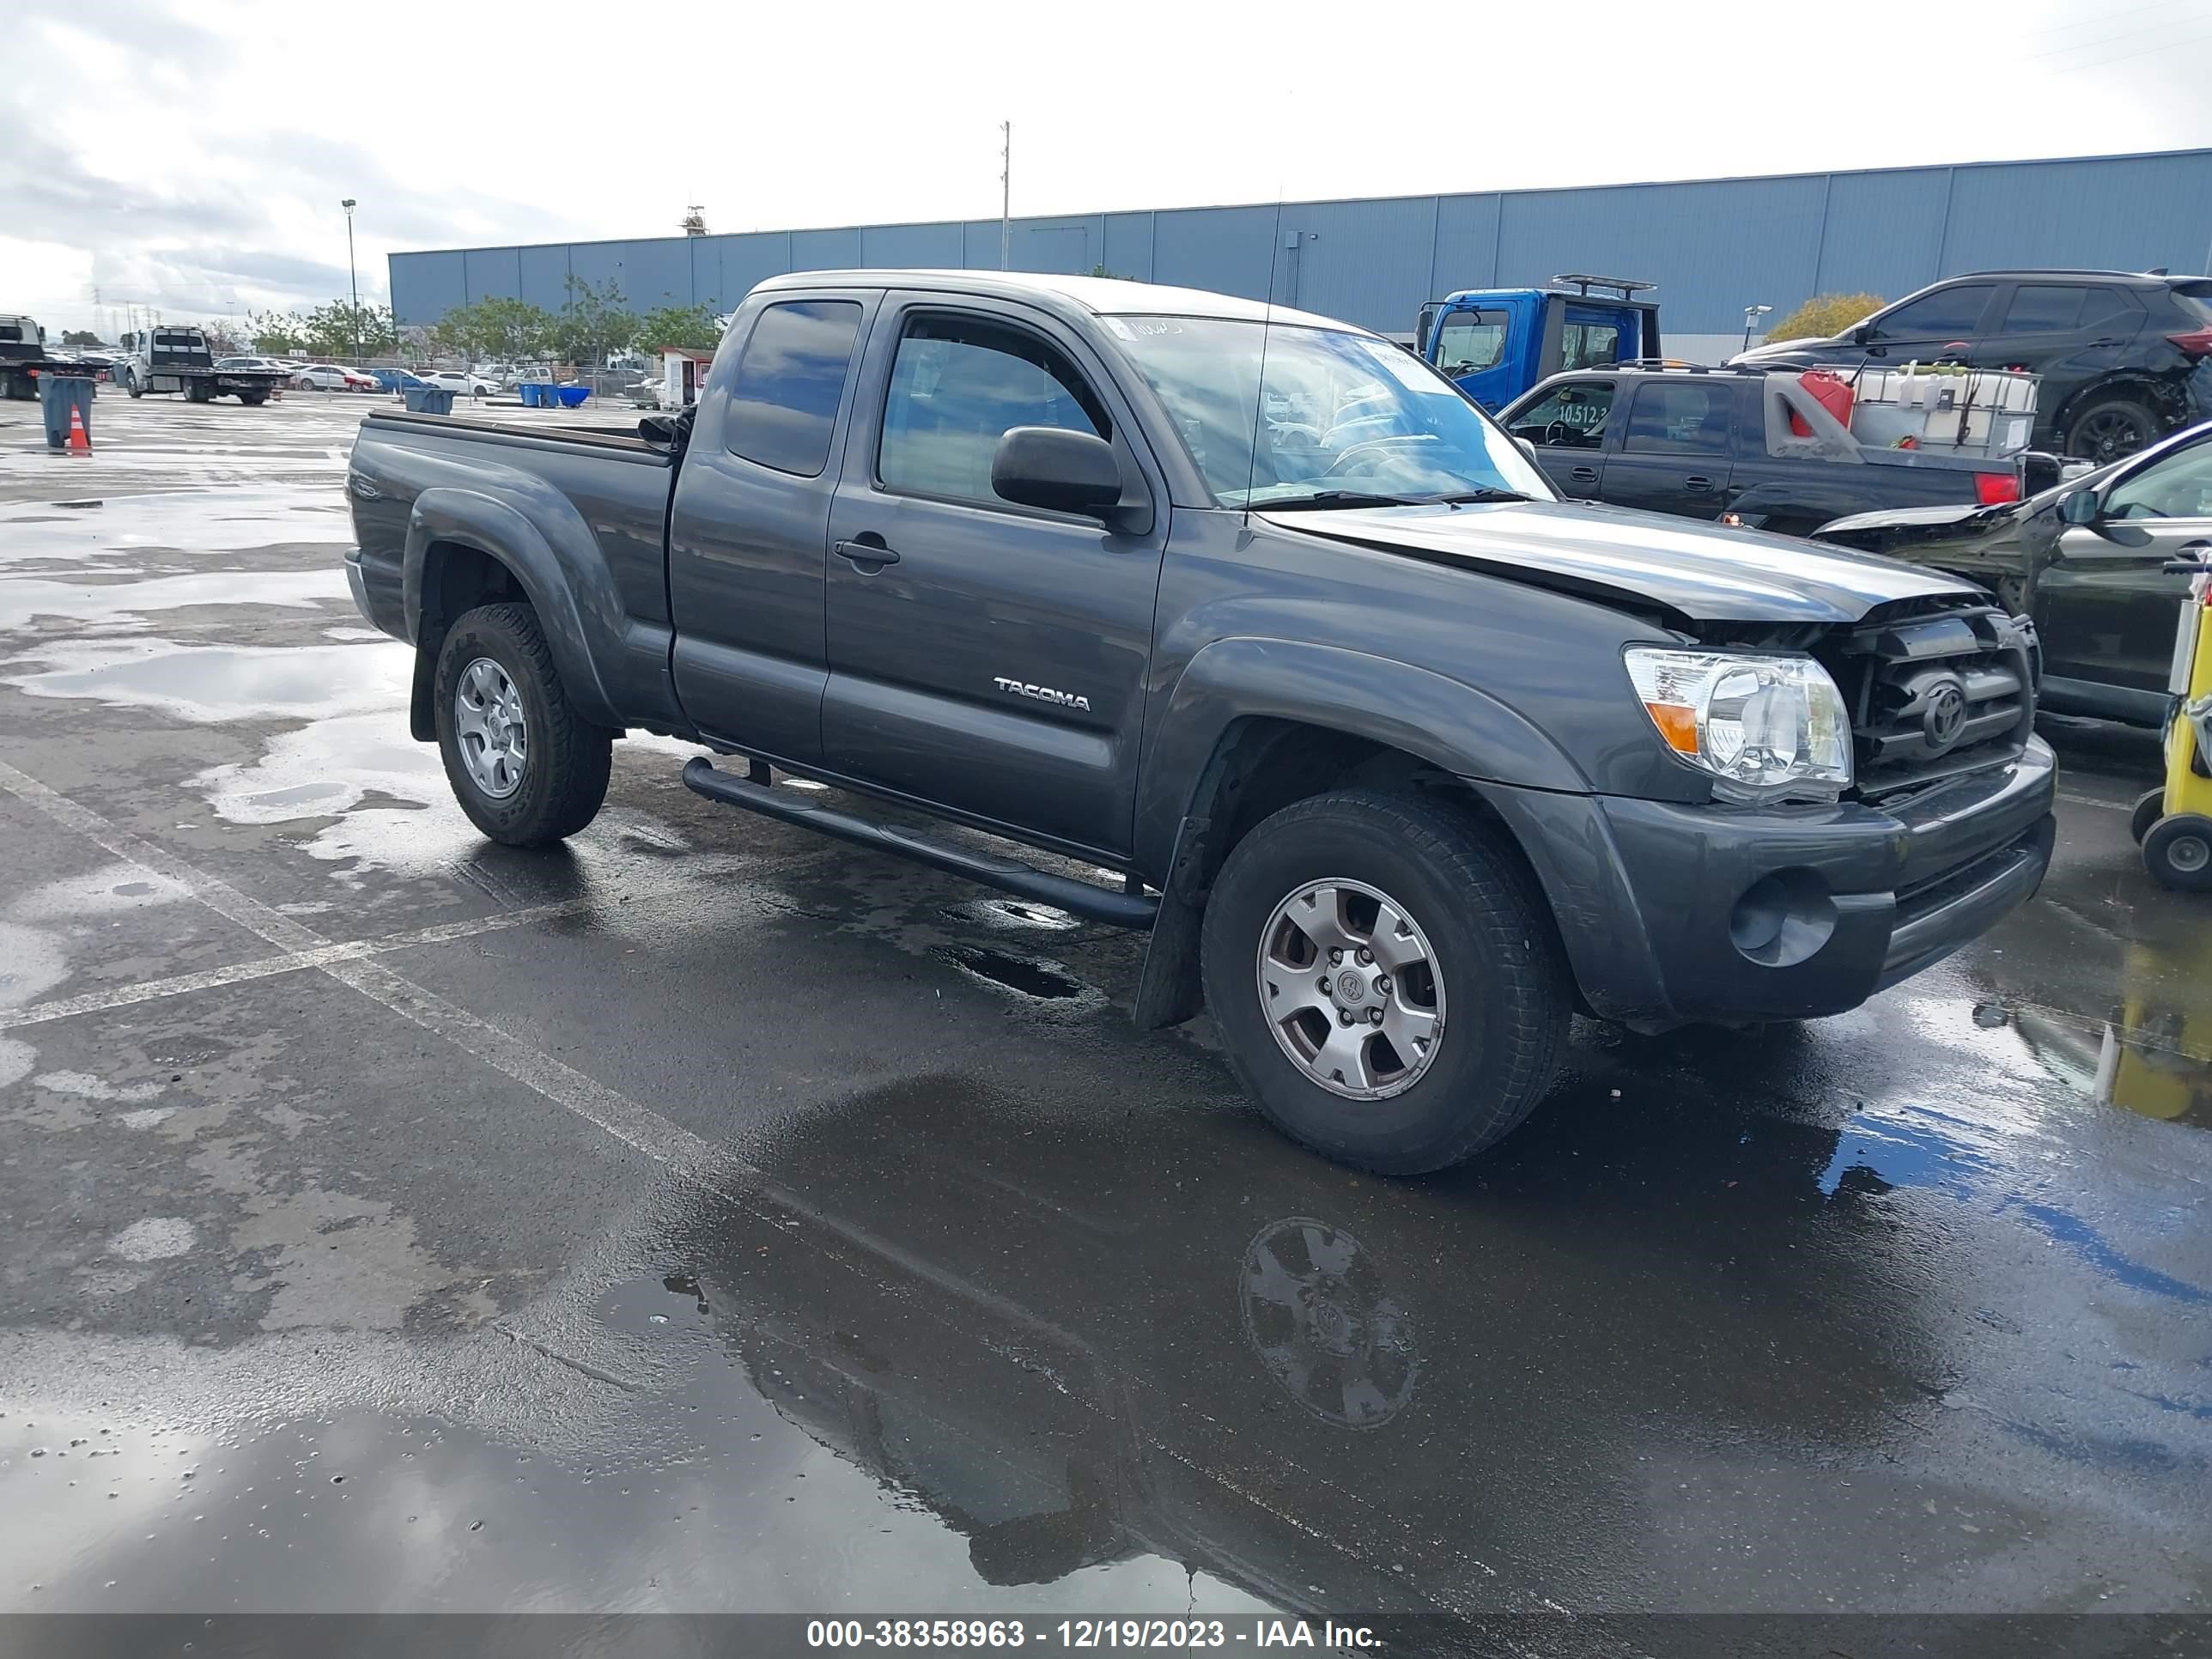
[867, 553]
[1583, 474]
[1696, 482]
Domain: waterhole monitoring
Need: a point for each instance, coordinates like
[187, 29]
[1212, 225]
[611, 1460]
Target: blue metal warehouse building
[1713, 247]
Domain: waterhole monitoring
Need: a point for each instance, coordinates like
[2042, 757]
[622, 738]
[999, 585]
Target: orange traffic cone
[80, 441]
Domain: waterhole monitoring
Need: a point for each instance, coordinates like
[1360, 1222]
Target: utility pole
[1006, 197]
[352, 280]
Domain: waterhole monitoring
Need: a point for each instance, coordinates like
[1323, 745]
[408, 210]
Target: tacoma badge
[1042, 694]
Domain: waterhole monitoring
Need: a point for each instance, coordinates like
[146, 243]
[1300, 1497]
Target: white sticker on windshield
[1406, 369]
[1120, 330]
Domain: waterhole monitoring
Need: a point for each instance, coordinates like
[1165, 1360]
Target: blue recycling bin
[533, 394]
[58, 395]
[428, 399]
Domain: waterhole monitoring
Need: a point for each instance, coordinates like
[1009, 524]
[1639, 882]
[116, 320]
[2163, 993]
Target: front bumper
[1671, 913]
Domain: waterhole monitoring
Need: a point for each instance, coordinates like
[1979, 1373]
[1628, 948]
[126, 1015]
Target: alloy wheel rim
[1352, 989]
[488, 721]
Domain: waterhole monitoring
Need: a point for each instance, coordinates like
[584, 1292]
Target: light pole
[353, 282]
[1751, 316]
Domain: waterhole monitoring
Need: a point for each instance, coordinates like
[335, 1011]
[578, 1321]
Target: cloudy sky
[202, 167]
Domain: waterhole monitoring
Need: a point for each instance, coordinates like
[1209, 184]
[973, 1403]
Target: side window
[2177, 486]
[1573, 417]
[1950, 313]
[784, 405]
[1471, 340]
[1589, 345]
[957, 385]
[2042, 308]
[2112, 312]
[1678, 416]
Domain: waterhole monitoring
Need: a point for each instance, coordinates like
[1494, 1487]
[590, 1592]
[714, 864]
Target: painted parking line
[635, 1125]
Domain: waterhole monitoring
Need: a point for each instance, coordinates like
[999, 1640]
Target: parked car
[1365, 719]
[397, 379]
[2115, 351]
[333, 377]
[2086, 561]
[1496, 343]
[1703, 443]
[466, 384]
[271, 363]
[166, 359]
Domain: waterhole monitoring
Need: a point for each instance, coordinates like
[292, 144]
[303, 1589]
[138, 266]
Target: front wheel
[525, 766]
[1386, 978]
[2178, 852]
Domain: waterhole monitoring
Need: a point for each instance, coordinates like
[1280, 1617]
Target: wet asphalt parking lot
[708, 1216]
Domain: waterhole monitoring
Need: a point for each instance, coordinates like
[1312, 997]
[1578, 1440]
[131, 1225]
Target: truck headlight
[1766, 727]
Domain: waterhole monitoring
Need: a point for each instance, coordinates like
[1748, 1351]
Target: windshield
[1343, 419]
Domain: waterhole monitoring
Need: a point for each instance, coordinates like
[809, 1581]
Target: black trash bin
[428, 399]
[58, 395]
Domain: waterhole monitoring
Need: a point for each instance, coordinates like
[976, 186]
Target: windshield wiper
[1329, 498]
[1485, 494]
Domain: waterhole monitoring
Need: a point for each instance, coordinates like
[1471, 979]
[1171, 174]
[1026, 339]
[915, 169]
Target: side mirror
[662, 432]
[1865, 334]
[1526, 447]
[1058, 470]
[2078, 506]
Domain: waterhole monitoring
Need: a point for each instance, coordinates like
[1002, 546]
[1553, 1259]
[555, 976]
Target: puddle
[329, 766]
[125, 603]
[209, 684]
[1030, 979]
[1907, 1145]
[181, 521]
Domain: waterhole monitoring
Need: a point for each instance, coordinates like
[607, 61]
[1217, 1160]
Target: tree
[695, 327]
[1100, 270]
[79, 337]
[223, 338]
[343, 329]
[1826, 315]
[277, 333]
[495, 330]
[594, 323]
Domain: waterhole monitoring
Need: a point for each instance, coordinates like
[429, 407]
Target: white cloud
[203, 171]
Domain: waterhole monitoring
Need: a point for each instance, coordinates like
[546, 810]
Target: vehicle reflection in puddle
[2154, 1057]
[208, 684]
[1905, 1144]
[1325, 1325]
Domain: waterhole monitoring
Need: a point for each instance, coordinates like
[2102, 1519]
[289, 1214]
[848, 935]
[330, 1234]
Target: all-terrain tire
[564, 772]
[1504, 997]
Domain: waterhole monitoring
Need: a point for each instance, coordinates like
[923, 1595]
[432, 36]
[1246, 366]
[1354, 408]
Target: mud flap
[1169, 989]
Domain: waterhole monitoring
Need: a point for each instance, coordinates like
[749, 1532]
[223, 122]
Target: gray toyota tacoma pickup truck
[1402, 760]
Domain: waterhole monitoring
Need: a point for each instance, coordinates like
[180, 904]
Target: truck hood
[1706, 573]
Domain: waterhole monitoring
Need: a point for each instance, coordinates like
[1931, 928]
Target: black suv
[2116, 350]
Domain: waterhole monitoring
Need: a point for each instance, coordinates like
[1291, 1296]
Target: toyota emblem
[1945, 716]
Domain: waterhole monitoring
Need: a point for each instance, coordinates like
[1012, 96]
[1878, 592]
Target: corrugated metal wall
[1714, 246]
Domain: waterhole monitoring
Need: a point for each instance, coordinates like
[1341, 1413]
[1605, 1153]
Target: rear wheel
[2106, 428]
[2150, 807]
[1386, 979]
[2178, 852]
[525, 766]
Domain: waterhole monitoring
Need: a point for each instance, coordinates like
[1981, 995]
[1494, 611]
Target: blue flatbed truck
[1497, 343]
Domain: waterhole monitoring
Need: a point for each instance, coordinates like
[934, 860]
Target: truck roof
[1098, 296]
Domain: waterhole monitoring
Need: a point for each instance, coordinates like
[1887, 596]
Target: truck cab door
[748, 527]
[985, 657]
[1478, 348]
[1566, 428]
[1676, 452]
[1592, 336]
[2106, 608]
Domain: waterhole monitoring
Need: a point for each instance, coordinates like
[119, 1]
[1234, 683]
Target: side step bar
[1078, 898]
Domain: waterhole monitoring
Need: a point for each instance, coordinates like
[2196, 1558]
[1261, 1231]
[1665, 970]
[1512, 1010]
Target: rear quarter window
[790, 380]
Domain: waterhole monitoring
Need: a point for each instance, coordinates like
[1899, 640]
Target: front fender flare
[559, 567]
[1444, 721]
